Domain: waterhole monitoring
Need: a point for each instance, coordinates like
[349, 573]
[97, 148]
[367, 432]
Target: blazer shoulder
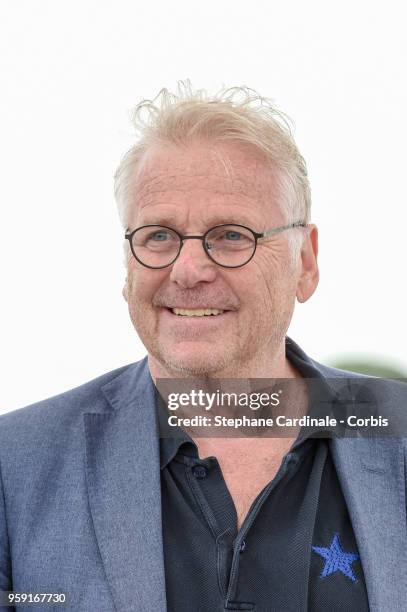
[330, 372]
[388, 394]
[66, 405]
[324, 370]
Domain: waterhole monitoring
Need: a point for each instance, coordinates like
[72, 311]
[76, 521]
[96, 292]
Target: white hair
[237, 114]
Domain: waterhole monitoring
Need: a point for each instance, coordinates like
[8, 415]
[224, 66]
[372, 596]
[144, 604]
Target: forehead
[228, 174]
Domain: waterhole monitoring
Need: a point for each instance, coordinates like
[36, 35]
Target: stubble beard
[233, 361]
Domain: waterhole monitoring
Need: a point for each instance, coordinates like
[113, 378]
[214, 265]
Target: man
[96, 504]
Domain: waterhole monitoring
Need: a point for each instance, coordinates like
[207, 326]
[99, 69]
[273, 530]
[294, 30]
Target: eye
[159, 236]
[234, 236]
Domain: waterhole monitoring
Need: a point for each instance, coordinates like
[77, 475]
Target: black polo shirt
[295, 550]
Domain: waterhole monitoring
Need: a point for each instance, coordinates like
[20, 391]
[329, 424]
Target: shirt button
[200, 471]
[242, 546]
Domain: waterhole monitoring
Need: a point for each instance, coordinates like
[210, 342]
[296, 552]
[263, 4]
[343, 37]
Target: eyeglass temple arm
[281, 229]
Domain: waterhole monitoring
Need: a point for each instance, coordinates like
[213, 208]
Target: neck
[228, 448]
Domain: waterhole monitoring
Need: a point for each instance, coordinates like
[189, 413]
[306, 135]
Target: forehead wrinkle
[253, 180]
[155, 183]
[247, 203]
[168, 182]
[244, 211]
[155, 195]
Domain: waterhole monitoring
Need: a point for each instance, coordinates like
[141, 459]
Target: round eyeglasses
[228, 245]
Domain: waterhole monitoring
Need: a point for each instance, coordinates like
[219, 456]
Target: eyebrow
[215, 220]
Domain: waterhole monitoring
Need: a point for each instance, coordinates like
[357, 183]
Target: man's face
[191, 190]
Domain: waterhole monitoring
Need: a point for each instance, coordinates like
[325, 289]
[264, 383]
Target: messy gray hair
[236, 114]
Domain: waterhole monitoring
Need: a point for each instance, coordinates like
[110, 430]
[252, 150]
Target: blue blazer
[78, 515]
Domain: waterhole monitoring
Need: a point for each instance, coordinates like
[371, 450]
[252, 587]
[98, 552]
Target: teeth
[198, 312]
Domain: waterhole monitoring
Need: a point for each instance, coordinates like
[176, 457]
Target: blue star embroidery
[337, 560]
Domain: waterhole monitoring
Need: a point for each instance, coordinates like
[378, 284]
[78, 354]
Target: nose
[193, 265]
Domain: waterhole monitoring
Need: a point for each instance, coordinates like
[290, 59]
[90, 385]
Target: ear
[309, 276]
[125, 290]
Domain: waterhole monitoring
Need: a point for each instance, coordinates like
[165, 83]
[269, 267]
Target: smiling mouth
[196, 312]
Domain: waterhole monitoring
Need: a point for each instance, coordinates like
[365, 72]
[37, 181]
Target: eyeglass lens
[227, 245]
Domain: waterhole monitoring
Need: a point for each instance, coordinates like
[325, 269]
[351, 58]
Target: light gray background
[70, 73]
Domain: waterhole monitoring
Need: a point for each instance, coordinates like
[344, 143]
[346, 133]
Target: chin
[193, 362]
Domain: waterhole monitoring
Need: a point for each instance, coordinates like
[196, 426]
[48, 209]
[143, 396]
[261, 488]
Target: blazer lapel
[123, 479]
[371, 472]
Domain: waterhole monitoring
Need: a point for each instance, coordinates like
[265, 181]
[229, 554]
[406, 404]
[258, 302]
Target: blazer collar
[372, 476]
[123, 480]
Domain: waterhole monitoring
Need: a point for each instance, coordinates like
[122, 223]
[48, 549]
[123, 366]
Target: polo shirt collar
[325, 395]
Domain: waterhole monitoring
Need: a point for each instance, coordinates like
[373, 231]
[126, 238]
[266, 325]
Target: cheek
[272, 283]
[139, 300]
[143, 284]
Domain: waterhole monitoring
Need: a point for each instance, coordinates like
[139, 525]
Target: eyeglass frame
[257, 236]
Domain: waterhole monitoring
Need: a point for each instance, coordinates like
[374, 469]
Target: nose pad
[208, 245]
